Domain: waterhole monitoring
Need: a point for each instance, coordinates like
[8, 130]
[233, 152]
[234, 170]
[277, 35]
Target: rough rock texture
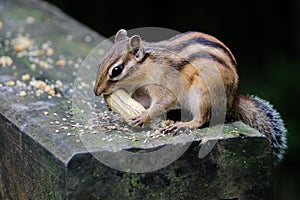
[47, 154]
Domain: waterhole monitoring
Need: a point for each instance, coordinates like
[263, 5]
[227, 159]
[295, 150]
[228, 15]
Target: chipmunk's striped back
[192, 42]
[190, 47]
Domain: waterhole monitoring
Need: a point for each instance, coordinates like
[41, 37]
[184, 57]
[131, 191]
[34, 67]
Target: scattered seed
[40, 52]
[50, 52]
[93, 132]
[48, 89]
[21, 43]
[234, 131]
[19, 48]
[25, 77]
[6, 61]
[41, 85]
[30, 20]
[33, 67]
[10, 83]
[20, 84]
[35, 53]
[81, 132]
[77, 125]
[61, 62]
[23, 94]
[58, 83]
[45, 46]
[44, 64]
[39, 92]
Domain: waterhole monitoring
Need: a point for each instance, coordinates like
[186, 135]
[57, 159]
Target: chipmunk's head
[117, 67]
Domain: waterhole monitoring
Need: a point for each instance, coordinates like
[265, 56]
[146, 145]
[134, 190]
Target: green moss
[136, 143]
[166, 138]
[134, 185]
[246, 147]
[20, 13]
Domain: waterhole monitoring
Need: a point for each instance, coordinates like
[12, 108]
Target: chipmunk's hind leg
[198, 106]
[196, 122]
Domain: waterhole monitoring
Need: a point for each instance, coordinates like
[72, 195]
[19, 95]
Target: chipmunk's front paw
[141, 120]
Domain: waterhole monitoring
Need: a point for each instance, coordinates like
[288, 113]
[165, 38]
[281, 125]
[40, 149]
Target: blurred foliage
[263, 35]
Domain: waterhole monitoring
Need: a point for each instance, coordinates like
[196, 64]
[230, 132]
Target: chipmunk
[193, 70]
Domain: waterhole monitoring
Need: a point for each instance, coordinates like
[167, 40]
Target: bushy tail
[261, 115]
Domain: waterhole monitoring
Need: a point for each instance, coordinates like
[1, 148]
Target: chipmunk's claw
[141, 120]
[171, 129]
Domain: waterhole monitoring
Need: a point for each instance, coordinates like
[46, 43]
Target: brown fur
[194, 70]
[174, 74]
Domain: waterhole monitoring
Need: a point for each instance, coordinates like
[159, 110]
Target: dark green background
[263, 35]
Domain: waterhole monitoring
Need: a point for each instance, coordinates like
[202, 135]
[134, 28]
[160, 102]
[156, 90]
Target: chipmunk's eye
[116, 71]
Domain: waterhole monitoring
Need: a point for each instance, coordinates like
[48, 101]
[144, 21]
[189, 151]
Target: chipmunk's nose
[97, 91]
[100, 88]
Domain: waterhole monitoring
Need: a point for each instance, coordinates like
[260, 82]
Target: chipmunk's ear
[121, 35]
[135, 45]
[135, 42]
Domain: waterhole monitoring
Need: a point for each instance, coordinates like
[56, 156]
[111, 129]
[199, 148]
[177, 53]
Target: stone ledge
[42, 154]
